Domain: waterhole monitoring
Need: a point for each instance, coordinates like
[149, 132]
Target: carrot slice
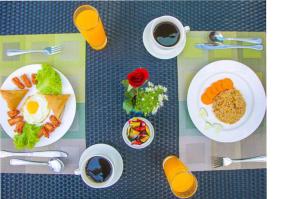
[227, 84]
[205, 99]
[215, 89]
[218, 86]
[211, 92]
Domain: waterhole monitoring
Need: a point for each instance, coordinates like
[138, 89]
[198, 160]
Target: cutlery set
[57, 165]
[54, 163]
[217, 43]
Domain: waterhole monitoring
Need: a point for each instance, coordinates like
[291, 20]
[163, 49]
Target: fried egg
[35, 109]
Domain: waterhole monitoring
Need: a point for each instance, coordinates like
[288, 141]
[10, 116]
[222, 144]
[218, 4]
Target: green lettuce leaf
[28, 138]
[49, 82]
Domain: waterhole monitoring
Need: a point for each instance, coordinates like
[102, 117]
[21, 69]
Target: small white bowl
[126, 140]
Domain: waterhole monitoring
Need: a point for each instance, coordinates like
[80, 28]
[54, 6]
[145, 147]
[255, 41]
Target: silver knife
[44, 154]
[225, 46]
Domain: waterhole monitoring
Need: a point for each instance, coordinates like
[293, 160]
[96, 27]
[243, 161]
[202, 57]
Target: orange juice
[88, 22]
[182, 182]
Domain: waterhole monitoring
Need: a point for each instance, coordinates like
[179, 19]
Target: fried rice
[229, 106]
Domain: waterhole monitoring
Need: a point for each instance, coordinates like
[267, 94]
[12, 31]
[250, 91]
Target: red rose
[138, 77]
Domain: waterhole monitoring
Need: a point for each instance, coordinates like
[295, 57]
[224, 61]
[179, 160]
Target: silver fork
[47, 51]
[225, 161]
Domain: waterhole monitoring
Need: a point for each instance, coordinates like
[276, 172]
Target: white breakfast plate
[67, 116]
[246, 81]
[154, 50]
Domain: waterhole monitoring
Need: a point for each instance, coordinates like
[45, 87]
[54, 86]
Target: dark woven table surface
[143, 176]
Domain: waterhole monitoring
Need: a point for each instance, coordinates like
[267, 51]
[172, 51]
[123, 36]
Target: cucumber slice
[217, 127]
[207, 126]
[203, 113]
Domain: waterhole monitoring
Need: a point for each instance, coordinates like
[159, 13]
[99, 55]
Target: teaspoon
[54, 164]
[218, 37]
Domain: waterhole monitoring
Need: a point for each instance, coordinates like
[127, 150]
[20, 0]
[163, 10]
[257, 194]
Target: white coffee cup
[81, 171]
[182, 31]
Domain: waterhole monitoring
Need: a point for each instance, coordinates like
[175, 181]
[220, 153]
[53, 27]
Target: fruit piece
[136, 142]
[134, 124]
[134, 119]
[143, 123]
[128, 131]
[144, 133]
[148, 130]
[133, 133]
[140, 128]
[144, 138]
[227, 84]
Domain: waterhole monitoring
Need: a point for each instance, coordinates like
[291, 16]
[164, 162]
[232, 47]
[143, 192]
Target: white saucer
[154, 50]
[109, 151]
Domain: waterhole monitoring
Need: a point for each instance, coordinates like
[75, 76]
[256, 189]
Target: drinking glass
[87, 20]
[182, 182]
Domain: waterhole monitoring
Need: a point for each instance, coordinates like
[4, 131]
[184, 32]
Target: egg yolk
[32, 107]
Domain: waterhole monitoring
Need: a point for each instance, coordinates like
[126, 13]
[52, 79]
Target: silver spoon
[54, 164]
[218, 37]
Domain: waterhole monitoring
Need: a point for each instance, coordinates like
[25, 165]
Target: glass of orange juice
[182, 182]
[87, 20]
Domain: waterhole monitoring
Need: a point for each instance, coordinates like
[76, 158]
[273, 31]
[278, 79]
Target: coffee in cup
[166, 34]
[165, 37]
[98, 169]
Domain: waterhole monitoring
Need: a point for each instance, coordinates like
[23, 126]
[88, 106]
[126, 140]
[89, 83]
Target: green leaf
[28, 138]
[125, 83]
[49, 82]
[129, 88]
[128, 106]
